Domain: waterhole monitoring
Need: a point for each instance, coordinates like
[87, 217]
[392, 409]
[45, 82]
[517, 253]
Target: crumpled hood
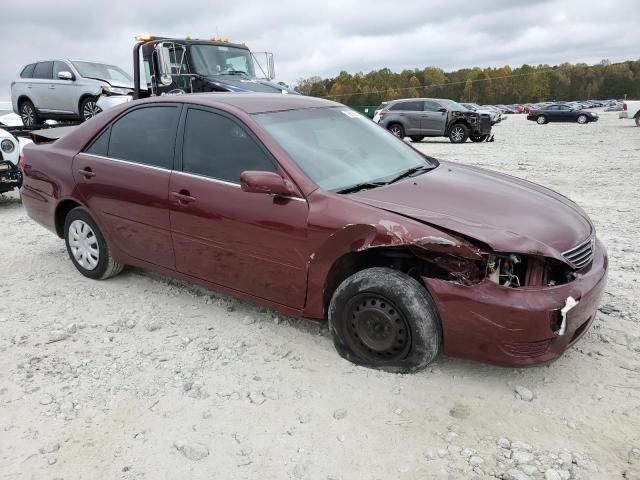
[508, 214]
[237, 83]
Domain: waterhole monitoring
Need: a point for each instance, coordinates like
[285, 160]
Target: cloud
[323, 38]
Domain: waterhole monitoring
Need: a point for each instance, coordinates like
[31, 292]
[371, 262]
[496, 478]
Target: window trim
[178, 162]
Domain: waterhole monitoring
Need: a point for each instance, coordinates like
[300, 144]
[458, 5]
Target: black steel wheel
[382, 318]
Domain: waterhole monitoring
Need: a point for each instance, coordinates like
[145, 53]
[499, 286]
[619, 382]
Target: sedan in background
[560, 112]
[307, 207]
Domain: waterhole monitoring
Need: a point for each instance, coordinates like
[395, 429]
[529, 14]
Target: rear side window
[414, 106]
[145, 135]
[43, 70]
[27, 72]
[217, 147]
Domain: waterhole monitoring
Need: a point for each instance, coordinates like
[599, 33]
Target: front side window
[145, 135]
[101, 71]
[60, 67]
[431, 106]
[452, 106]
[338, 148]
[43, 70]
[221, 60]
[217, 147]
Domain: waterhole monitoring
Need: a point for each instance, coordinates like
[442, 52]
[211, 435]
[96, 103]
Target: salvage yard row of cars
[305, 206]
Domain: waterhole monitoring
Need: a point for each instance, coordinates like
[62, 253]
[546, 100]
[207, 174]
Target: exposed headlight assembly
[109, 90]
[7, 146]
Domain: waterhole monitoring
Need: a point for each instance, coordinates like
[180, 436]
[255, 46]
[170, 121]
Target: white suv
[65, 89]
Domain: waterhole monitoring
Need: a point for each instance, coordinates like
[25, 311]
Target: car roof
[252, 102]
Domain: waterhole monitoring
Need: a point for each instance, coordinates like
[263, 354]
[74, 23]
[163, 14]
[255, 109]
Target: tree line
[504, 85]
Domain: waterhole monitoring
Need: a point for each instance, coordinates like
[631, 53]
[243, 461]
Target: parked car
[307, 207]
[417, 118]
[614, 107]
[559, 112]
[65, 89]
[631, 109]
[474, 107]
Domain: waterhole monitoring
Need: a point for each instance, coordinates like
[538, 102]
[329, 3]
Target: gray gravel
[143, 377]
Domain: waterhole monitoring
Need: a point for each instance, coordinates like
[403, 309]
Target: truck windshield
[108, 73]
[339, 149]
[221, 60]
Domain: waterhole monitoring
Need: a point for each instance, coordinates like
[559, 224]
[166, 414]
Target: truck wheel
[396, 129]
[416, 139]
[541, 119]
[382, 318]
[89, 108]
[582, 119]
[458, 133]
[87, 247]
[478, 138]
[29, 114]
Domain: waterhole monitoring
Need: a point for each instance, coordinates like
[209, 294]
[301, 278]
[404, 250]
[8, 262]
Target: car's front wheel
[382, 318]
[478, 138]
[29, 114]
[458, 133]
[582, 119]
[87, 247]
[396, 129]
[89, 108]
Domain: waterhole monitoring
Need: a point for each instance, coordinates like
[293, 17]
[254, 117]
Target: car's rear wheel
[396, 129]
[541, 119]
[89, 108]
[582, 119]
[638, 120]
[416, 139]
[458, 133]
[478, 138]
[29, 114]
[382, 318]
[87, 247]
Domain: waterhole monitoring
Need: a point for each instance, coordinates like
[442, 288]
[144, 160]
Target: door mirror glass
[266, 182]
[64, 75]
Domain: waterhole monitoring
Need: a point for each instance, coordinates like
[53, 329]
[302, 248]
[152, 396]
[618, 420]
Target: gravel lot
[141, 376]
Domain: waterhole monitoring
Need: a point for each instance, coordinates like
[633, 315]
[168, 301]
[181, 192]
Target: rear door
[123, 177]
[40, 93]
[251, 242]
[433, 121]
[411, 111]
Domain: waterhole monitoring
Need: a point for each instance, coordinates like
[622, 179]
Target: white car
[10, 148]
[631, 109]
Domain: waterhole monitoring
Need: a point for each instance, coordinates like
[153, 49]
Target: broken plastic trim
[569, 303]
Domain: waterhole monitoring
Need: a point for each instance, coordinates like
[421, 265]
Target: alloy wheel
[457, 133]
[28, 115]
[90, 109]
[84, 244]
[582, 119]
[395, 129]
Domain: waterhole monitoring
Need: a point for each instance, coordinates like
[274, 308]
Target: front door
[62, 93]
[251, 242]
[123, 177]
[433, 122]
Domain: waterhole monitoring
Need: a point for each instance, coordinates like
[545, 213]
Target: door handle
[29, 85]
[86, 172]
[183, 197]
[52, 87]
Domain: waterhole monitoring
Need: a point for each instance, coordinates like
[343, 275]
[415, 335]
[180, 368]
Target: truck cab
[170, 66]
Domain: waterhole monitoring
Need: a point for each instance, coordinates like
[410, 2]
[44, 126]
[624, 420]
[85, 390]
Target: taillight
[382, 113]
[624, 107]
[21, 163]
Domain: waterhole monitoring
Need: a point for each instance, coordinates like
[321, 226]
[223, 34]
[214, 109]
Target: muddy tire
[382, 318]
[87, 247]
[458, 133]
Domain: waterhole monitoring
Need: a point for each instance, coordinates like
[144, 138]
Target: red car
[309, 208]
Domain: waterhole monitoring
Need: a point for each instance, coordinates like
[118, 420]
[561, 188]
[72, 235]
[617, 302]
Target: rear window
[27, 72]
[43, 70]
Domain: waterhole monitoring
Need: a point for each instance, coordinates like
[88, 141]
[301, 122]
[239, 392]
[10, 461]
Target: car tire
[416, 139]
[382, 318]
[638, 120]
[396, 129]
[582, 119]
[478, 138]
[458, 133]
[29, 114]
[541, 120]
[87, 247]
[89, 108]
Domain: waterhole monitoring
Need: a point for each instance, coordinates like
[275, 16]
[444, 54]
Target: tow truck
[172, 66]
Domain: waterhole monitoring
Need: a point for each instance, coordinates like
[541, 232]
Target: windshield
[338, 148]
[108, 73]
[451, 105]
[221, 60]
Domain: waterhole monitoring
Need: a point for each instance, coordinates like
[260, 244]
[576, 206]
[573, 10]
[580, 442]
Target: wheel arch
[83, 97]
[62, 210]
[23, 98]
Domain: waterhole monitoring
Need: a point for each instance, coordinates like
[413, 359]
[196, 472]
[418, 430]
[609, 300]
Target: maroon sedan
[305, 206]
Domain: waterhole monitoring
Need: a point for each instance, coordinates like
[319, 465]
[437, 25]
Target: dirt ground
[142, 377]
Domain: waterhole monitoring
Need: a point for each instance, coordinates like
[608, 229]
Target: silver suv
[65, 89]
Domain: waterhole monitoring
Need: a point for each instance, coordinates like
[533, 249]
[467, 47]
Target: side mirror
[442, 110]
[64, 75]
[266, 182]
[164, 64]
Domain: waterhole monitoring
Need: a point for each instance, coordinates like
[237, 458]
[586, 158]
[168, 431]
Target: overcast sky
[322, 38]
